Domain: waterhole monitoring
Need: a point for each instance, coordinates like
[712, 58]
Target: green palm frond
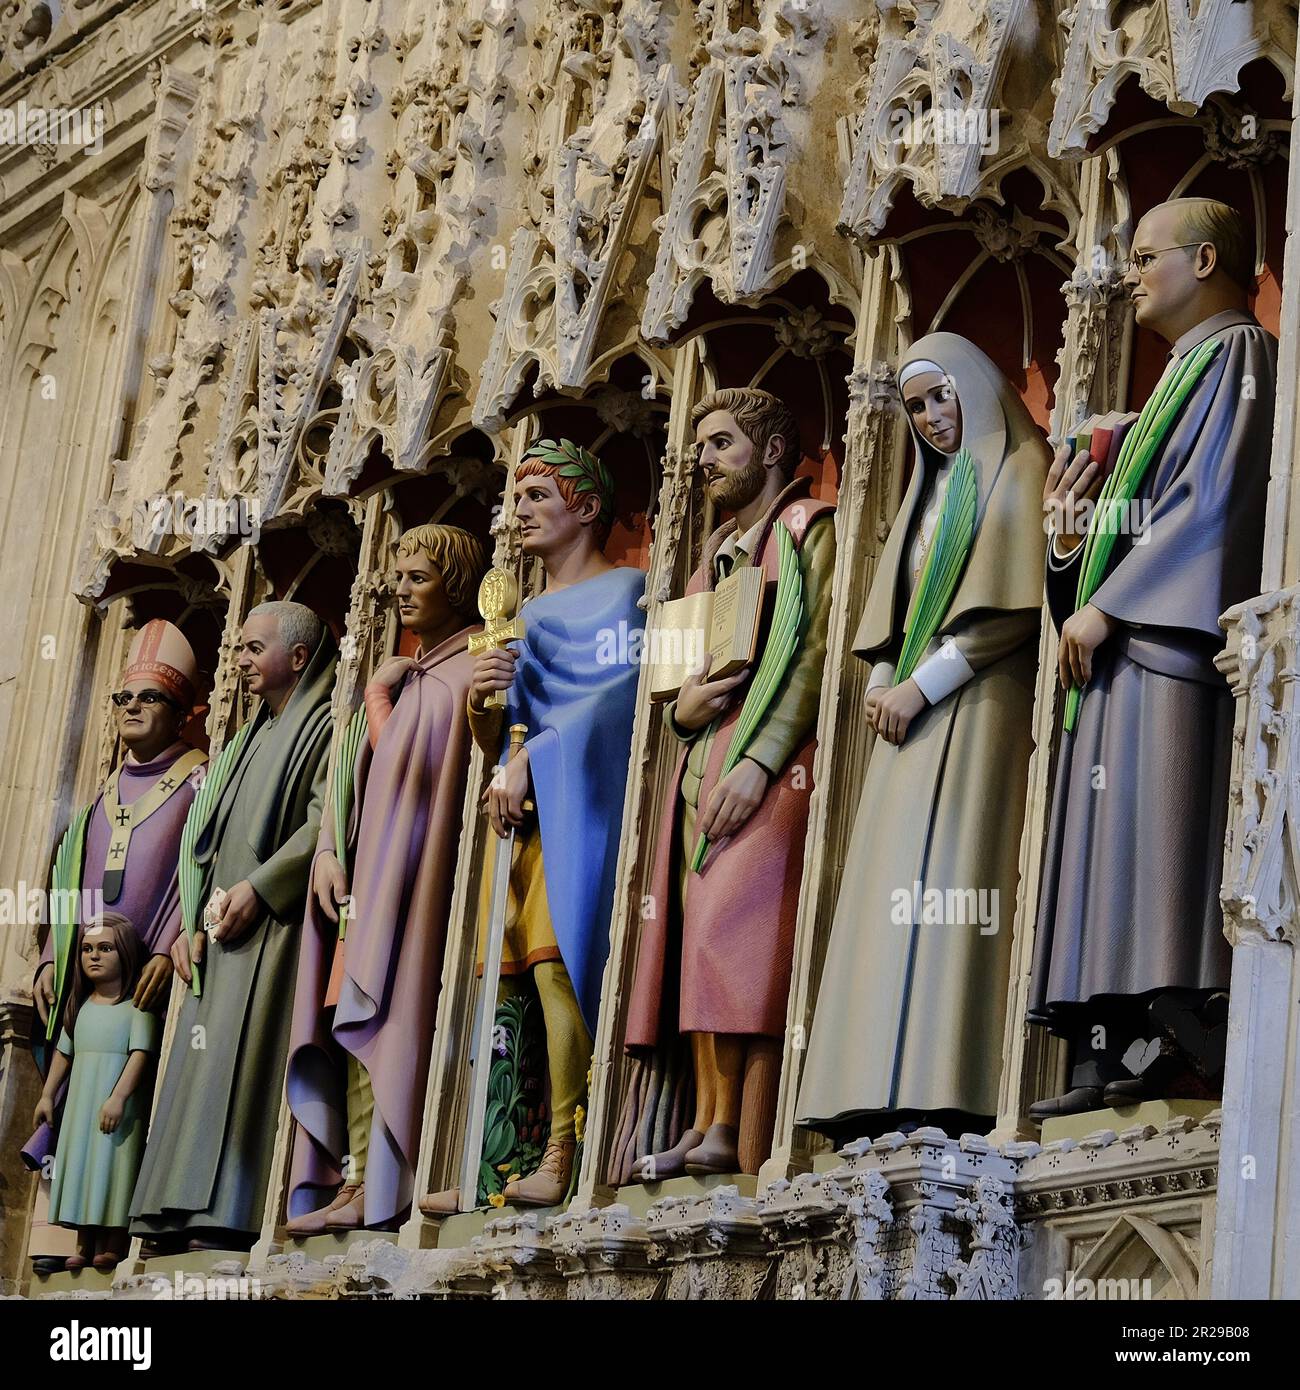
[949, 550]
[189, 870]
[1141, 444]
[65, 899]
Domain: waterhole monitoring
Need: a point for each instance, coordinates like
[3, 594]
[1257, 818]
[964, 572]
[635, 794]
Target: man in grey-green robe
[208, 1158]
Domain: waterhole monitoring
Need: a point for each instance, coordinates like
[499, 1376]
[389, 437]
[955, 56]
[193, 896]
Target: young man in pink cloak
[364, 1005]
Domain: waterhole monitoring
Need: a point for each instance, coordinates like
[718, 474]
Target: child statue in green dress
[108, 1045]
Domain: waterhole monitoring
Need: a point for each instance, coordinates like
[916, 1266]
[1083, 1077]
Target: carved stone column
[18, 1096]
[1257, 1238]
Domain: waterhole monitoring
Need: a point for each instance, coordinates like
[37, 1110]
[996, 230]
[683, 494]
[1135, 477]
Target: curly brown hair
[760, 415]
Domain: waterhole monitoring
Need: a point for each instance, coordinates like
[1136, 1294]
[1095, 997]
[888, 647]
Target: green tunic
[209, 1155]
[94, 1172]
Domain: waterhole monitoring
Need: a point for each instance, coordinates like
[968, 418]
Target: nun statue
[909, 1019]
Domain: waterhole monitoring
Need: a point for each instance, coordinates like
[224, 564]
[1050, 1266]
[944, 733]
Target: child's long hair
[130, 954]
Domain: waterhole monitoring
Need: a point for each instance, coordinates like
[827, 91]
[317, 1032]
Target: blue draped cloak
[575, 688]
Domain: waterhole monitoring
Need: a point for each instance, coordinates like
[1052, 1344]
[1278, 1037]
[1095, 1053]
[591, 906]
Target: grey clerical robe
[1130, 896]
[208, 1158]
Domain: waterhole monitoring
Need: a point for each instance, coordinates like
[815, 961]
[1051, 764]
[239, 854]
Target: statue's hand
[735, 798]
[871, 702]
[1081, 635]
[183, 959]
[494, 669]
[329, 883]
[1071, 482]
[700, 701]
[896, 708]
[153, 982]
[392, 671]
[43, 990]
[110, 1114]
[44, 1112]
[506, 794]
[241, 909]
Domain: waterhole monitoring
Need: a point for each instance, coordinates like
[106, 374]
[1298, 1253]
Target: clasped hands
[891, 709]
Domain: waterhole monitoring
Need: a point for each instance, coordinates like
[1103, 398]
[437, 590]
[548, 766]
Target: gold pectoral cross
[498, 602]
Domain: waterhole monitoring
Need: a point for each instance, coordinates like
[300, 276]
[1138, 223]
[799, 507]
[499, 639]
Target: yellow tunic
[529, 937]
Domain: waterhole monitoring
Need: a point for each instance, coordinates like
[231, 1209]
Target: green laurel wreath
[587, 471]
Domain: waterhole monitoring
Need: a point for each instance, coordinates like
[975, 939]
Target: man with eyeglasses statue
[127, 842]
[131, 835]
[1130, 960]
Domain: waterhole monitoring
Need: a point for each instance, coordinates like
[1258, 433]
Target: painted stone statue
[120, 854]
[208, 1159]
[126, 840]
[1130, 961]
[912, 1002]
[105, 1055]
[367, 995]
[716, 954]
[575, 692]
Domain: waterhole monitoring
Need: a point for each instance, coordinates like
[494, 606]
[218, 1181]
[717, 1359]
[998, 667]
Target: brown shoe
[549, 1185]
[312, 1223]
[444, 1203]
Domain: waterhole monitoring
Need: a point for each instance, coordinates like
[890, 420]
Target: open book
[723, 621]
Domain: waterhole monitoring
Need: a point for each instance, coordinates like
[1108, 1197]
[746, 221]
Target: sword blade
[493, 950]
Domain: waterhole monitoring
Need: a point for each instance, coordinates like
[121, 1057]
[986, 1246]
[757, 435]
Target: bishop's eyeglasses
[122, 698]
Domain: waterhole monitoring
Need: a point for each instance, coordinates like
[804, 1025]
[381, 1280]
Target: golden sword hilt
[518, 732]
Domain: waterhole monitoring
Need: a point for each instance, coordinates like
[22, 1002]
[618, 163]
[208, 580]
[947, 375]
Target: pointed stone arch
[1135, 1250]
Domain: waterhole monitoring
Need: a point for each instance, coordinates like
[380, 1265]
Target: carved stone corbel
[713, 1246]
[604, 1253]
